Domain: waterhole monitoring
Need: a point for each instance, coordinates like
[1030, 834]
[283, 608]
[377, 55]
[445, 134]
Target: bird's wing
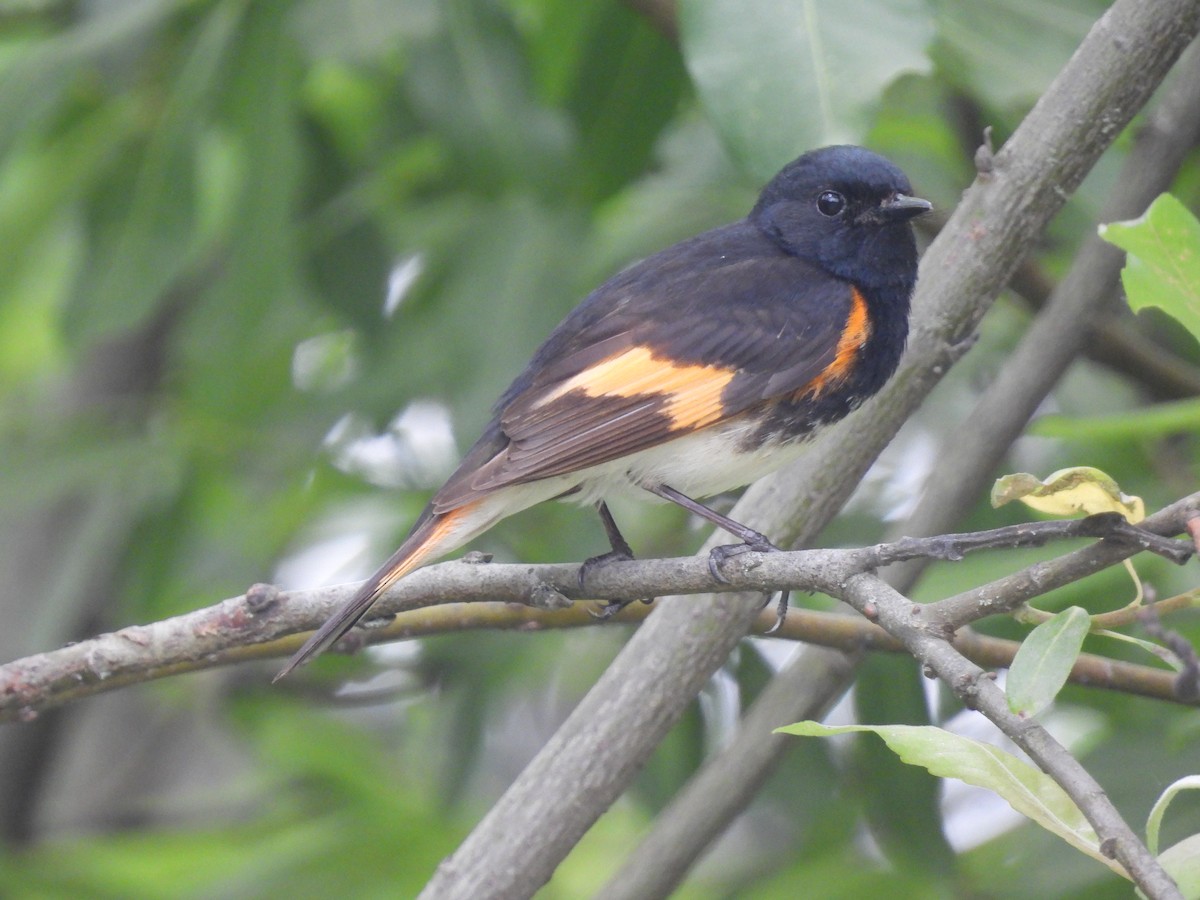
[663, 361]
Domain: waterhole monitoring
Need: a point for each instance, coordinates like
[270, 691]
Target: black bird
[696, 370]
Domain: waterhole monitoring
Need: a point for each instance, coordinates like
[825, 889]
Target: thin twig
[1006, 594]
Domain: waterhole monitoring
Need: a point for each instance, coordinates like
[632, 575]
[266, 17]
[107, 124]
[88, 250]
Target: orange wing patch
[855, 333]
[691, 395]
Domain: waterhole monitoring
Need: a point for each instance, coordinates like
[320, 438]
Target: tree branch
[978, 691]
[262, 623]
[1060, 330]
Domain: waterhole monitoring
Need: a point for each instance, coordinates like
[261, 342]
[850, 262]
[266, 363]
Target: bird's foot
[753, 543]
[608, 608]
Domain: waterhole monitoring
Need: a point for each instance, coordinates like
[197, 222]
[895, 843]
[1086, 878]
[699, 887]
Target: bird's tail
[436, 535]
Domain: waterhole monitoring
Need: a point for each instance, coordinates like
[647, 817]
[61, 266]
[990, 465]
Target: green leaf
[475, 92]
[903, 804]
[1154, 821]
[780, 77]
[151, 232]
[1181, 860]
[37, 77]
[1026, 789]
[43, 179]
[1158, 651]
[1163, 267]
[1044, 661]
[252, 308]
[1006, 52]
[1155, 421]
[620, 79]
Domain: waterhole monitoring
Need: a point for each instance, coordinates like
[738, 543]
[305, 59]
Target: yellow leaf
[1079, 489]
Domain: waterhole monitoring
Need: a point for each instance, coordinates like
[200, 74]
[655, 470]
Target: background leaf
[1041, 666]
[780, 77]
[1007, 51]
[1028, 790]
[1159, 420]
[1163, 266]
[1182, 862]
[1159, 810]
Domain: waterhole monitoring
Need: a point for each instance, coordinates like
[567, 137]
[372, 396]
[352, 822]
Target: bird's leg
[751, 539]
[620, 546]
[621, 551]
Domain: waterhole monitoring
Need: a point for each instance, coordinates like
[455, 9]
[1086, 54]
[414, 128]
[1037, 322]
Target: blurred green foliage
[1162, 268]
[204, 205]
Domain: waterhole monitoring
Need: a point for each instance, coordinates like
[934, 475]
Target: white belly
[699, 465]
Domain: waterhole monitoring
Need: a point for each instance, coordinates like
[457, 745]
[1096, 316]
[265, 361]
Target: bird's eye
[830, 203]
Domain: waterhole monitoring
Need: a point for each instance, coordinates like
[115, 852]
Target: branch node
[1187, 682]
[1193, 529]
[260, 597]
[945, 548]
[967, 688]
[1114, 526]
[985, 156]
[544, 595]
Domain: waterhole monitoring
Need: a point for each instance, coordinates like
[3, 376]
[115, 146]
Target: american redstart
[694, 371]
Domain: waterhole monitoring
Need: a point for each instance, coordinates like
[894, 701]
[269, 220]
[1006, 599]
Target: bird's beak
[901, 208]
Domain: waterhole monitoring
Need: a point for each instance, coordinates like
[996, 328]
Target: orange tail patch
[436, 536]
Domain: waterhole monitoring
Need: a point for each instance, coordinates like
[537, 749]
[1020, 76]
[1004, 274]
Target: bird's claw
[610, 607]
[781, 610]
[599, 562]
[718, 556]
